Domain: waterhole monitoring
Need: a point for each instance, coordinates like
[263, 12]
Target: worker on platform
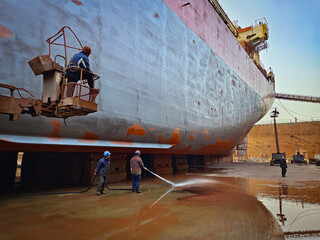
[80, 60]
[283, 165]
[135, 166]
[102, 170]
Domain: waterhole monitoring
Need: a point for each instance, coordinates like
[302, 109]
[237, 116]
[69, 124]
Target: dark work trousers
[136, 179]
[102, 183]
[284, 170]
[75, 77]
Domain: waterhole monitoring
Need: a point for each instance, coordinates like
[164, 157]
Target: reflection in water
[283, 190]
[297, 208]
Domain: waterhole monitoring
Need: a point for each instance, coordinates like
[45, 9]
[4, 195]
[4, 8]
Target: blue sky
[293, 53]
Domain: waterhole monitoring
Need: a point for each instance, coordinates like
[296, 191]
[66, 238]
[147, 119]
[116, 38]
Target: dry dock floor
[295, 172]
[222, 201]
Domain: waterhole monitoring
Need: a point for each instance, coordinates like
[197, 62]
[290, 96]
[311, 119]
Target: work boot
[138, 191]
[133, 190]
[102, 192]
[98, 193]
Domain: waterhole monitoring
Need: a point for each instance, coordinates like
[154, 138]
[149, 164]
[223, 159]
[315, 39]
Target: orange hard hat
[86, 50]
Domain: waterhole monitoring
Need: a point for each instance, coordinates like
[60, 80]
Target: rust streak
[79, 3]
[55, 134]
[136, 129]
[5, 32]
[208, 137]
[206, 132]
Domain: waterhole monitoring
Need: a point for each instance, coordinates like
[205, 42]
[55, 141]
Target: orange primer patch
[150, 129]
[5, 32]
[79, 3]
[191, 137]
[136, 130]
[175, 137]
[88, 136]
[121, 143]
[220, 146]
[55, 134]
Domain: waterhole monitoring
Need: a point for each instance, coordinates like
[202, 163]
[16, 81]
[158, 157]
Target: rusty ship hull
[174, 79]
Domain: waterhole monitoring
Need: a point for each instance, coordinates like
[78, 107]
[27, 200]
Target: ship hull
[165, 86]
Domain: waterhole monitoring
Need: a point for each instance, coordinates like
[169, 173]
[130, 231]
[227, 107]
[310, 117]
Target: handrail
[60, 33]
[215, 4]
[55, 62]
[301, 98]
[95, 76]
[12, 88]
[69, 88]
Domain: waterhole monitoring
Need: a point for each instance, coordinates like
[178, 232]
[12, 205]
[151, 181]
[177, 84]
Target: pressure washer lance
[163, 179]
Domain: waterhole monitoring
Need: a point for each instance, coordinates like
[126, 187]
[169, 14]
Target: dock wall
[303, 137]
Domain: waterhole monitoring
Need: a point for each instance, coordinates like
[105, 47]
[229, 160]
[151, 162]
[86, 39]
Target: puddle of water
[296, 208]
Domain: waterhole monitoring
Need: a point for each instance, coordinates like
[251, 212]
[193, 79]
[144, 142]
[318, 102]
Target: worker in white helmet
[135, 166]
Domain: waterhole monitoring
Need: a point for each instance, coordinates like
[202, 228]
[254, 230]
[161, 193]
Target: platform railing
[80, 91]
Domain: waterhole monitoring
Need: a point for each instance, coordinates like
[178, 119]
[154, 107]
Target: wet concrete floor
[202, 205]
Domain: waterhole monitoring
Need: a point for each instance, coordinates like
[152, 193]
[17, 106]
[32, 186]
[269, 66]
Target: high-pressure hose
[126, 189]
[56, 193]
[91, 185]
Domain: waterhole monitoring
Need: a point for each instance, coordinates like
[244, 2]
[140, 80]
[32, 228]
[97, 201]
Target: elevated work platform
[60, 98]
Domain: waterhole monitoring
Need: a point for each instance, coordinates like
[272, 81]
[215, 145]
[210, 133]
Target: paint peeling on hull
[5, 32]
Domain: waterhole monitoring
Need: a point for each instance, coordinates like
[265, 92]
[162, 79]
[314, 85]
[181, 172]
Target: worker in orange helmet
[80, 60]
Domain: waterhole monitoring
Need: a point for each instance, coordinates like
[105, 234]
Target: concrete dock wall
[303, 137]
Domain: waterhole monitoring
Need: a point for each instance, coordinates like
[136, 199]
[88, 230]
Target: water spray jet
[163, 179]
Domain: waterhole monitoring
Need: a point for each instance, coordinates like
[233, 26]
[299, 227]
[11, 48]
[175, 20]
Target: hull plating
[161, 84]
